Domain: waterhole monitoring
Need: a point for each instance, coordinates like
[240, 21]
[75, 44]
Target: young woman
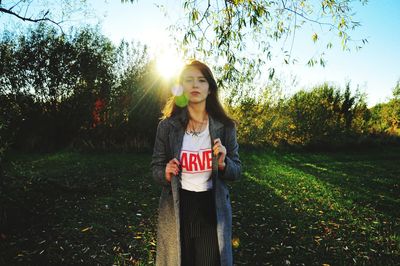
[195, 153]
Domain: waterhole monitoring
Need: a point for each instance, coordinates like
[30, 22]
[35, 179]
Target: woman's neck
[197, 112]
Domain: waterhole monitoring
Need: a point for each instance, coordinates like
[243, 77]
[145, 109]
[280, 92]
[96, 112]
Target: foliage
[78, 89]
[324, 116]
[260, 118]
[9, 112]
[396, 90]
[81, 91]
[136, 99]
[223, 30]
[54, 79]
[386, 116]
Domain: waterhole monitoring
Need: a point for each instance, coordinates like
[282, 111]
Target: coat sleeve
[159, 158]
[233, 166]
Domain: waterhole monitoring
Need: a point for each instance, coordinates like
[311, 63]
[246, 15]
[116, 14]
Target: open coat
[167, 146]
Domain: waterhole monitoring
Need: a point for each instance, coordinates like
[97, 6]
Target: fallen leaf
[86, 229]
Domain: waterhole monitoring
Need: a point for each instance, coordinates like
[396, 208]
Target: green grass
[290, 207]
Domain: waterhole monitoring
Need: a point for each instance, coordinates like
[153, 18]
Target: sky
[374, 69]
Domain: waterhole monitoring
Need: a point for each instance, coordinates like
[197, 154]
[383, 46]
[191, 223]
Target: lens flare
[181, 100]
[177, 90]
[235, 242]
[169, 64]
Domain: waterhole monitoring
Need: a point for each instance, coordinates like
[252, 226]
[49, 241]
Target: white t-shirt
[196, 161]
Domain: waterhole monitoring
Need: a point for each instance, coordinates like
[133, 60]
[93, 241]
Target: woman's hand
[219, 149]
[171, 169]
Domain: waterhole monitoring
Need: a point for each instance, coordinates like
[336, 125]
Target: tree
[224, 29]
[55, 12]
[391, 111]
[396, 90]
[385, 117]
[55, 81]
[325, 115]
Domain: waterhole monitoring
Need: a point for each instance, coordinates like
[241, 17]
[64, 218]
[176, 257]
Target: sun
[169, 64]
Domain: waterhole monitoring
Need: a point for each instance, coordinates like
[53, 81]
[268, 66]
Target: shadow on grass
[371, 179]
[271, 231]
[286, 213]
[79, 209]
[289, 209]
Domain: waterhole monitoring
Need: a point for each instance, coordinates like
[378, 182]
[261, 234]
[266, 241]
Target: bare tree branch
[15, 4]
[23, 18]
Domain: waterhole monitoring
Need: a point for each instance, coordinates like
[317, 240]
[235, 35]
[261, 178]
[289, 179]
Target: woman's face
[195, 85]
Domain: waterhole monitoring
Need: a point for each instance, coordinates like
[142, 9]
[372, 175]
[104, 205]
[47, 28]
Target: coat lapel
[216, 128]
[220, 198]
[176, 140]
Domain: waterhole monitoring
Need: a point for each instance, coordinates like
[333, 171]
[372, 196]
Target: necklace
[193, 129]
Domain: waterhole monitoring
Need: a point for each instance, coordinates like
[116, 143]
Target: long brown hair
[213, 105]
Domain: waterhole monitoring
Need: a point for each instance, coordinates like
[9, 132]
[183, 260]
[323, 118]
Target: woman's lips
[195, 93]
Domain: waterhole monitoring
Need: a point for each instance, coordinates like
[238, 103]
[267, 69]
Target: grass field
[290, 208]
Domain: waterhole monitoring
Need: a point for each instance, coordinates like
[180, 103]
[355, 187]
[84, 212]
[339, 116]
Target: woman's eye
[203, 80]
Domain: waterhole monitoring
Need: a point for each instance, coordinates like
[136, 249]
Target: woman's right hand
[172, 169]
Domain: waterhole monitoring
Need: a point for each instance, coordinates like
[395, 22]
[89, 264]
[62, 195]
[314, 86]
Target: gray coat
[168, 145]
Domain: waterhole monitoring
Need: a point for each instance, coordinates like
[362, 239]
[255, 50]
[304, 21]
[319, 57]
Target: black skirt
[198, 228]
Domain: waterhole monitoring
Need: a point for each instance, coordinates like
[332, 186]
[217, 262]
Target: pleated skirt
[198, 229]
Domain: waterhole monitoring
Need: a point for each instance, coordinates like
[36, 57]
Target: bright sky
[374, 69]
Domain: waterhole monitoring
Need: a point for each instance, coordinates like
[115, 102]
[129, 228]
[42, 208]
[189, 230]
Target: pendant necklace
[192, 128]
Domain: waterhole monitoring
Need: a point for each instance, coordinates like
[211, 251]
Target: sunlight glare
[169, 64]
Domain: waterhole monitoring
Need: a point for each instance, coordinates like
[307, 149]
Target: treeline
[324, 117]
[82, 91]
[77, 90]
